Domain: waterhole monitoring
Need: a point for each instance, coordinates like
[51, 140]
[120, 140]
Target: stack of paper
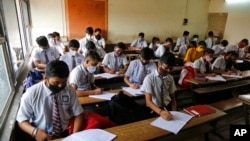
[104, 95]
[234, 75]
[106, 75]
[91, 135]
[134, 92]
[175, 125]
[216, 78]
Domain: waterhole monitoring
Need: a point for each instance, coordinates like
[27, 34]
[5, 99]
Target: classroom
[124, 70]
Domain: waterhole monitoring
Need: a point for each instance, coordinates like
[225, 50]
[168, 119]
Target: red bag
[92, 120]
[186, 73]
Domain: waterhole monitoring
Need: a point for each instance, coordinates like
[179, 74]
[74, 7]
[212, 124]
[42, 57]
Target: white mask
[88, 37]
[73, 53]
[91, 69]
[195, 39]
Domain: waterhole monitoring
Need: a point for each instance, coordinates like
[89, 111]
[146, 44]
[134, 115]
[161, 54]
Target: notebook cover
[199, 110]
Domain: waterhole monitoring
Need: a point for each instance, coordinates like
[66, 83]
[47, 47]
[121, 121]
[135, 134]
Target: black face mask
[55, 89]
[98, 37]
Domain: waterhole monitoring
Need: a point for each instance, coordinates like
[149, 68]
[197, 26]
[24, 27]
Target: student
[219, 49]
[139, 43]
[116, 61]
[224, 64]
[139, 68]
[35, 115]
[183, 40]
[155, 43]
[88, 37]
[58, 43]
[51, 39]
[210, 41]
[73, 58]
[98, 39]
[91, 46]
[195, 38]
[164, 47]
[44, 54]
[82, 77]
[239, 48]
[183, 49]
[159, 88]
[202, 66]
[195, 53]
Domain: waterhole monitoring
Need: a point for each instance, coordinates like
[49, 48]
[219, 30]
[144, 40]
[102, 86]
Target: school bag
[123, 109]
[186, 73]
[33, 77]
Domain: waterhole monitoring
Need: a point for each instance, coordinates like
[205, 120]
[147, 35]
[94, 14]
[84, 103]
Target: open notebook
[104, 95]
[134, 92]
[216, 78]
[106, 75]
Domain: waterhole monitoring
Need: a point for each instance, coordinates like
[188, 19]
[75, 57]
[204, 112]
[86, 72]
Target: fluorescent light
[237, 1]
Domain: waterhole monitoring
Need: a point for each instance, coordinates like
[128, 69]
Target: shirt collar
[84, 70]
[46, 89]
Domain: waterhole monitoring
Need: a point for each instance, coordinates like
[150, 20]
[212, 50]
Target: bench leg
[245, 108]
[206, 136]
[214, 124]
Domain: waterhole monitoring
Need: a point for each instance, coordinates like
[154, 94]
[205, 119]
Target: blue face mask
[91, 69]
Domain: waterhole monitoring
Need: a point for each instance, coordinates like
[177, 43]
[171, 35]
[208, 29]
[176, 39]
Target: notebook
[199, 110]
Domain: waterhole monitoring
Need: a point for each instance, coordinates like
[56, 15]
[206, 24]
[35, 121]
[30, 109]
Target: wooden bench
[245, 99]
[228, 104]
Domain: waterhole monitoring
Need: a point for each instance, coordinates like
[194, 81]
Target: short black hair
[202, 43]
[169, 40]
[42, 41]
[50, 35]
[98, 30]
[224, 43]
[89, 30]
[193, 43]
[154, 39]
[57, 68]
[90, 45]
[74, 43]
[93, 55]
[56, 34]
[195, 36]
[245, 41]
[141, 34]
[121, 45]
[232, 53]
[168, 58]
[210, 33]
[185, 33]
[209, 51]
[147, 53]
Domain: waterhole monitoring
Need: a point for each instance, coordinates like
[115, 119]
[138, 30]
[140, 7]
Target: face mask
[91, 69]
[98, 37]
[72, 52]
[158, 45]
[195, 39]
[208, 58]
[55, 89]
[88, 37]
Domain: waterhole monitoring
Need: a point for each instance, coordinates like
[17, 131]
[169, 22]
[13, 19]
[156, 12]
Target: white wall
[237, 26]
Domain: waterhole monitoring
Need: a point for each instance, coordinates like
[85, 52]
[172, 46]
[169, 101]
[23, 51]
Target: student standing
[82, 77]
[139, 43]
[138, 69]
[159, 88]
[47, 107]
[116, 61]
[73, 58]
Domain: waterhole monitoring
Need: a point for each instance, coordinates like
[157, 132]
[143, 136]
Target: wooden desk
[142, 130]
[245, 99]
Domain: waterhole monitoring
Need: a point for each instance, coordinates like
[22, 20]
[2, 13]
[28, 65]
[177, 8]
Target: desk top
[142, 130]
[245, 99]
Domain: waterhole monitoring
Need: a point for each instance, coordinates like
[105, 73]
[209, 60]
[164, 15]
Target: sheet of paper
[104, 95]
[232, 75]
[216, 78]
[91, 135]
[106, 75]
[179, 120]
[134, 92]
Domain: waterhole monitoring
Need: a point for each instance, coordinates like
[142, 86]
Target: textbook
[199, 110]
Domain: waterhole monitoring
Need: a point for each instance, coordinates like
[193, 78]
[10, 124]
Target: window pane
[5, 86]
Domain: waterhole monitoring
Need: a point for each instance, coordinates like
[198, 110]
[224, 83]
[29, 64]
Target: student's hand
[98, 91]
[121, 72]
[212, 74]
[238, 72]
[134, 86]
[166, 115]
[112, 71]
[41, 135]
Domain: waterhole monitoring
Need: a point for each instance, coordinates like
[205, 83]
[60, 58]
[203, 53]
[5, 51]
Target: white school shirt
[139, 43]
[59, 46]
[200, 65]
[83, 43]
[67, 58]
[36, 106]
[182, 51]
[180, 42]
[99, 43]
[218, 49]
[109, 60]
[232, 48]
[152, 84]
[39, 54]
[219, 63]
[160, 51]
[81, 77]
[99, 51]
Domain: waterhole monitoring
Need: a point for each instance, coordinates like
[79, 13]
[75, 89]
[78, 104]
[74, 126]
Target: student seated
[183, 49]
[58, 43]
[195, 38]
[116, 61]
[155, 43]
[183, 40]
[224, 64]
[92, 47]
[44, 54]
[139, 68]
[219, 49]
[246, 54]
[167, 46]
[98, 39]
[195, 53]
[88, 37]
[202, 66]
[159, 88]
[82, 77]
[47, 107]
[73, 58]
[139, 43]
[210, 41]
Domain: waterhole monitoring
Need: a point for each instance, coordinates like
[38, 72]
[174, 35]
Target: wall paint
[237, 21]
[126, 18]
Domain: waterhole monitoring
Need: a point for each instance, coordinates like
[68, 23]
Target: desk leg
[245, 108]
[206, 136]
[192, 92]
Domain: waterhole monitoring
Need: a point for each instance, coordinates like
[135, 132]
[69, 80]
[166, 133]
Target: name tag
[65, 100]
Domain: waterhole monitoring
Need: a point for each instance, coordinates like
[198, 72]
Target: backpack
[186, 73]
[123, 109]
[33, 77]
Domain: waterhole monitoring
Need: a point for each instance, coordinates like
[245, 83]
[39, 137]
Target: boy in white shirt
[98, 39]
[58, 43]
[166, 47]
[219, 49]
[139, 43]
[210, 41]
[88, 37]
[91, 46]
[183, 40]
